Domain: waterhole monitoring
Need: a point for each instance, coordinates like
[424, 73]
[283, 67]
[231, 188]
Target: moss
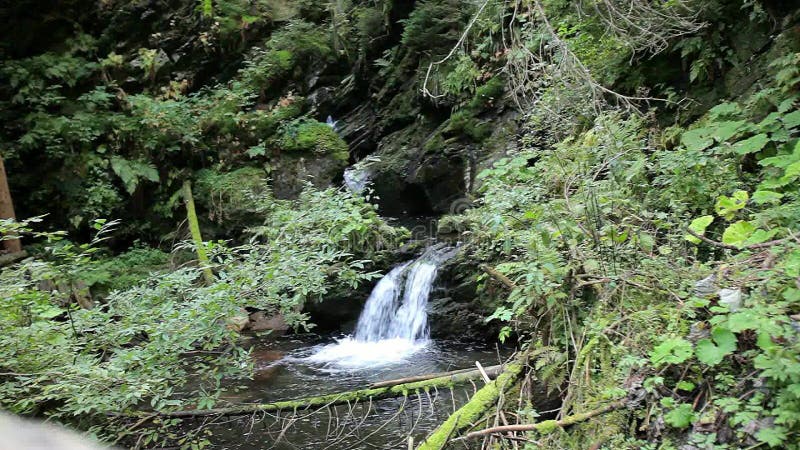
[434, 144]
[464, 122]
[265, 123]
[313, 136]
[487, 94]
[402, 109]
[224, 195]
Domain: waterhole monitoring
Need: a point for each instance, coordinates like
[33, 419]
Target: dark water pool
[283, 373]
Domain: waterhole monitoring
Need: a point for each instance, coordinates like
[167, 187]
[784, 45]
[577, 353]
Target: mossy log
[548, 426]
[473, 410]
[445, 381]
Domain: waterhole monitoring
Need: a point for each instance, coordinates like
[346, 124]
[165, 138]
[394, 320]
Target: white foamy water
[356, 178]
[394, 322]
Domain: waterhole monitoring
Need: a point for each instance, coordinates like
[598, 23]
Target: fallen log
[491, 371]
[402, 389]
[474, 409]
[547, 426]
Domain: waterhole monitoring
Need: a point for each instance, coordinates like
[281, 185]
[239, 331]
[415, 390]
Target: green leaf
[774, 437]
[736, 234]
[712, 353]
[728, 129]
[699, 226]
[780, 161]
[792, 119]
[761, 197]
[727, 206]
[786, 105]
[760, 236]
[671, 351]
[791, 264]
[697, 139]
[742, 320]
[751, 145]
[680, 417]
[256, 150]
[687, 386]
[726, 109]
[792, 171]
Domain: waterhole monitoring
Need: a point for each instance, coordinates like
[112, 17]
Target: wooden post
[7, 209]
[194, 228]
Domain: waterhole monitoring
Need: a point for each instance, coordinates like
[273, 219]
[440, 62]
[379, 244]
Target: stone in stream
[264, 360]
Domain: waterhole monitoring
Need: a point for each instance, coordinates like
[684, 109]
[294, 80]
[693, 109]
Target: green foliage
[138, 349]
[699, 226]
[434, 25]
[297, 43]
[711, 352]
[592, 231]
[130, 172]
[124, 271]
[671, 351]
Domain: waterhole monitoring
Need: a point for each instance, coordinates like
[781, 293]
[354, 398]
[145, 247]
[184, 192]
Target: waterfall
[356, 178]
[394, 322]
[385, 316]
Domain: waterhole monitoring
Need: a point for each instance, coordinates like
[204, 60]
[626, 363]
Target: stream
[391, 341]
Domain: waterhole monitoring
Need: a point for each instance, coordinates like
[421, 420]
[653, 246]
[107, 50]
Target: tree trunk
[194, 227]
[7, 210]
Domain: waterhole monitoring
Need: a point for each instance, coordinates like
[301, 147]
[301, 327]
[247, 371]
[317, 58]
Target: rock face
[289, 173]
[456, 308]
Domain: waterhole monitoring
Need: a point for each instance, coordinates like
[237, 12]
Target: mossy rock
[314, 137]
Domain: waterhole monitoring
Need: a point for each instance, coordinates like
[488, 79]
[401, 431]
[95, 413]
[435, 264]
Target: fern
[130, 172]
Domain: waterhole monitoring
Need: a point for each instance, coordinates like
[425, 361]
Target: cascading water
[356, 179]
[394, 322]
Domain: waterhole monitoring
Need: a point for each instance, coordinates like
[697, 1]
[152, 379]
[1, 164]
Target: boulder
[238, 322]
[260, 321]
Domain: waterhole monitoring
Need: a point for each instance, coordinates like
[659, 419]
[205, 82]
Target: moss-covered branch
[548, 426]
[476, 407]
